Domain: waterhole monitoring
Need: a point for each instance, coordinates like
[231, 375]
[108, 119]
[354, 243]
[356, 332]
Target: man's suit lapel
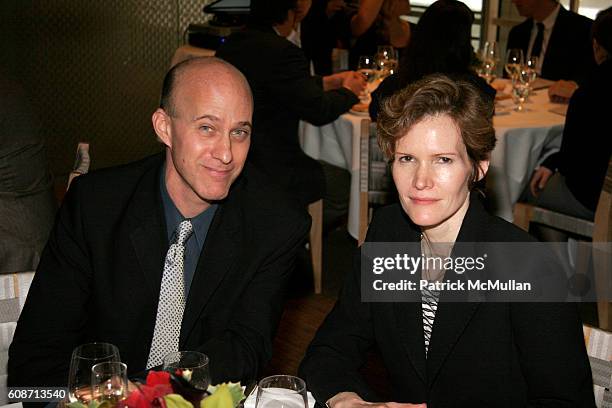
[220, 255]
[148, 229]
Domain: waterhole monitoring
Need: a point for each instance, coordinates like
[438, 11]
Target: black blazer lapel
[409, 323]
[220, 255]
[148, 229]
[453, 317]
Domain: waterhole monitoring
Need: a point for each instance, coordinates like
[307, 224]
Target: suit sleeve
[45, 336]
[339, 348]
[302, 93]
[552, 354]
[245, 345]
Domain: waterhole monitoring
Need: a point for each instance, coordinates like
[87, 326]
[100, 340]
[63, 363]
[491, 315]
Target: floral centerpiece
[172, 390]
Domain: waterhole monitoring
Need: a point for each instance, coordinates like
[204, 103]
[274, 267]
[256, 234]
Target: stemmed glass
[281, 391]
[386, 60]
[84, 357]
[367, 67]
[489, 55]
[514, 61]
[193, 369]
[521, 87]
[531, 68]
[109, 382]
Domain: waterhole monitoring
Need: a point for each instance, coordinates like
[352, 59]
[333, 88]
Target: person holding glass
[378, 22]
[566, 181]
[438, 135]
[434, 50]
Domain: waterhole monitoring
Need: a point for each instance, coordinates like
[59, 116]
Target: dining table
[524, 140]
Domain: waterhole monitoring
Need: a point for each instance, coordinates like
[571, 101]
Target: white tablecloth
[522, 139]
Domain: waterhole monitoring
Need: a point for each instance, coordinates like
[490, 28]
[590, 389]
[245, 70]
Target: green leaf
[76, 404]
[176, 401]
[223, 396]
[235, 390]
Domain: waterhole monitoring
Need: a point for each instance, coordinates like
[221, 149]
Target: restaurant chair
[316, 243]
[599, 348]
[14, 291]
[375, 181]
[600, 231]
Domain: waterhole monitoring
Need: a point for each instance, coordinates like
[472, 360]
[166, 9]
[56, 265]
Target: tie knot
[540, 26]
[183, 231]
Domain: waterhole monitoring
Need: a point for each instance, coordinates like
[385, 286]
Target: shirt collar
[200, 222]
[549, 21]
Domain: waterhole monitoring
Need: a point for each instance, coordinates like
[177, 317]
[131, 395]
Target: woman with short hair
[438, 136]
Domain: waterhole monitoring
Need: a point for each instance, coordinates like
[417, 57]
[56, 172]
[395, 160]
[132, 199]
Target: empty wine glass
[109, 382]
[514, 61]
[281, 391]
[193, 368]
[84, 357]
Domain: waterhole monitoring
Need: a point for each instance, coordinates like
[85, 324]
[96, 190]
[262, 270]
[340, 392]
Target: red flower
[150, 394]
[158, 377]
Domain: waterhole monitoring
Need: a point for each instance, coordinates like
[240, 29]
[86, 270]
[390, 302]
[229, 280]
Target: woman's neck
[448, 230]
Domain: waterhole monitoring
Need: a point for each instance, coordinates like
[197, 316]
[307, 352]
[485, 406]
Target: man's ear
[161, 125]
[483, 167]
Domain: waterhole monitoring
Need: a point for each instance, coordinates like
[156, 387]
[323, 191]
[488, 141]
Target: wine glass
[489, 55]
[281, 391]
[386, 60]
[520, 88]
[531, 67]
[109, 382]
[514, 61]
[84, 357]
[192, 369]
[367, 67]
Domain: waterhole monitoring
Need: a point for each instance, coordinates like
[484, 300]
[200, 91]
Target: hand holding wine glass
[367, 67]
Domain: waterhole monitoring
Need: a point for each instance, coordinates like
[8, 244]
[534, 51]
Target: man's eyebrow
[246, 123]
[207, 116]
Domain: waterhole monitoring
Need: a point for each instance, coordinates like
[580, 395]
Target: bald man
[186, 250]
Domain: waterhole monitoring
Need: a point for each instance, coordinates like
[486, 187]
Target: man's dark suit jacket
[587, 135]
[569, 54]
[480, 355]
[100, 275]
[284, 92]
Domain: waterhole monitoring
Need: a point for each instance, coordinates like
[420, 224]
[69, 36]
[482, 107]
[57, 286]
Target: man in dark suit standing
[285, 93]
[108, 273]
[560, 38]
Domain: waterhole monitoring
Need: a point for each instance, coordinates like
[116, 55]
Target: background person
[285, 92]
[570, 180]
[377, 22]
[432, 50]
[559, 38]
[438, 133]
